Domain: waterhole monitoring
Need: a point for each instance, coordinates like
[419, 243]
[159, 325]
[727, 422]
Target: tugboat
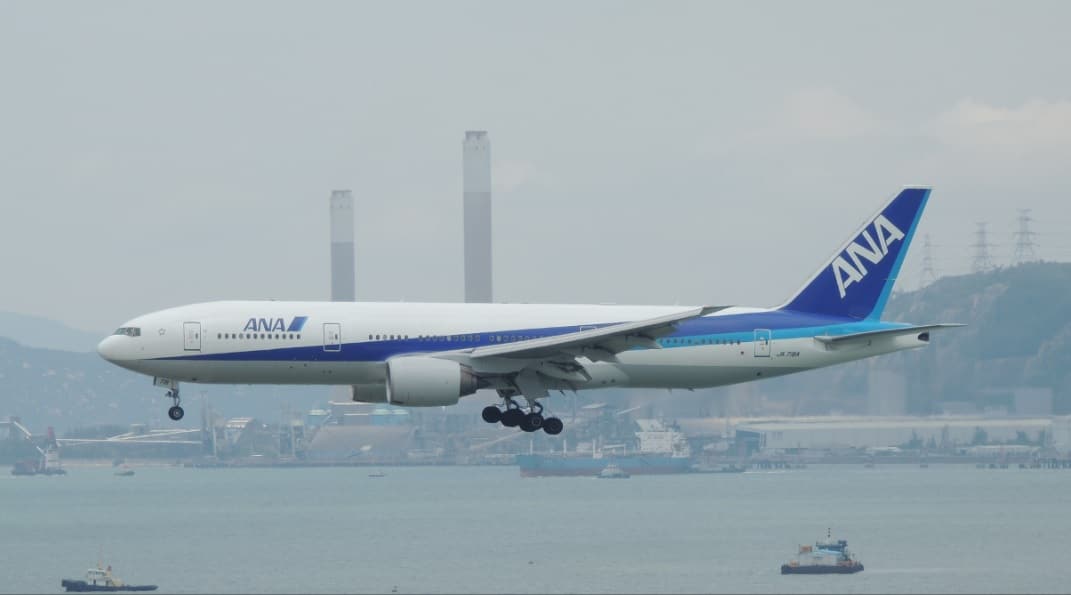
[824, 557]
[101, 579]
[124, 471]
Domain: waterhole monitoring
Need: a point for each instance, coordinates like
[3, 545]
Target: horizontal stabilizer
[923, 333]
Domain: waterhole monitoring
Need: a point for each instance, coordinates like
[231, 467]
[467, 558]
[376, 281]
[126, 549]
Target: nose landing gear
[172, 386]
[175, 412]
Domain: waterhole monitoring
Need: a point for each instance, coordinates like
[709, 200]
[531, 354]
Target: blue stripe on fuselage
[737, 327]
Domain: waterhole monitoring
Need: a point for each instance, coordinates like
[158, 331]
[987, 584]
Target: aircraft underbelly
[267, 372]
[719, 365]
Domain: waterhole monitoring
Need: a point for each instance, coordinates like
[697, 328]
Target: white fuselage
[349, 343]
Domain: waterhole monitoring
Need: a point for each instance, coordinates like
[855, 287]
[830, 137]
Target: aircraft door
[762, 342]
[191, 334]
[332, 336]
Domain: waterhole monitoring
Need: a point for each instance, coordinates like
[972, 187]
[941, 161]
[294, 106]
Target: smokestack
[476, 157]
[343, 286]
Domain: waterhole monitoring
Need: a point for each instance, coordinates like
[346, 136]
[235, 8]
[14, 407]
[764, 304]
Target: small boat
[824, 557]
[612, 471]
[125, 471]
[101, 580]
[377, 474]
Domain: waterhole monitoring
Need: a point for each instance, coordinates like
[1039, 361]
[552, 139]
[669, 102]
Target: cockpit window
[130, 331]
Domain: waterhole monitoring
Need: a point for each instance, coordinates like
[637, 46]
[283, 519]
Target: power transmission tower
[1024, 239]
[929, 273]
[982, 260]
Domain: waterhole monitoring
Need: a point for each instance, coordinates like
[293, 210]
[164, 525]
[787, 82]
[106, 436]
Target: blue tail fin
[857, 281]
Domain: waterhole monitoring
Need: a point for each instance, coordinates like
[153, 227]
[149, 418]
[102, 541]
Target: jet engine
[428, 381]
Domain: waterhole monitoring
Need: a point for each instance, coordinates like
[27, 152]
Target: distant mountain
[1017, 339]
[1018, 335]
[34, 331]
[67, 390]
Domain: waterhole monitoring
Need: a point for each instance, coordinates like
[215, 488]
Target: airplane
[432, 354]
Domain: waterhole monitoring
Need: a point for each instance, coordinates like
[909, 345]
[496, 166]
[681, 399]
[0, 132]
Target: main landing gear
[175, 412]
[529, 421]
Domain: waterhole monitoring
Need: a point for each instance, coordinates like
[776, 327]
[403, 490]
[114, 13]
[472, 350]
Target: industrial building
[944, 432]
[355, 432]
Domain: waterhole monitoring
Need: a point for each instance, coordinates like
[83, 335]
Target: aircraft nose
[109, 348]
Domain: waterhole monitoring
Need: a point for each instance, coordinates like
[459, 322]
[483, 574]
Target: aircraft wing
[833, 341]
[598, 344]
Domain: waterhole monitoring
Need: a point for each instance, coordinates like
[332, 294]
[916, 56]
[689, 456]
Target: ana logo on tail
[849, 268]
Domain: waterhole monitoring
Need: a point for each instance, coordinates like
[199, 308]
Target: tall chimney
[343, 286]
[476, 157]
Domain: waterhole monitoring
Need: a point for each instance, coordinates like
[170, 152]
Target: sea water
[946, 528]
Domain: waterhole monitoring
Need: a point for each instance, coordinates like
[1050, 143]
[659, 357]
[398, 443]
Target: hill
[34, 331]
[66, 390]
[1017, 342]
[1018, 334]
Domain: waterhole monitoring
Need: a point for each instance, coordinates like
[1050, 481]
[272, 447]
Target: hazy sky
[154, 154]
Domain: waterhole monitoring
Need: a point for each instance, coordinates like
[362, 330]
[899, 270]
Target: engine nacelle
[369, 393]
[428, 381]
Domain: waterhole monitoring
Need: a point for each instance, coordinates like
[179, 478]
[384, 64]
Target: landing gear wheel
[512, 418]
[175, 412]
[553, 426]
[534, 420]
[526, 426]
[491, 414]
